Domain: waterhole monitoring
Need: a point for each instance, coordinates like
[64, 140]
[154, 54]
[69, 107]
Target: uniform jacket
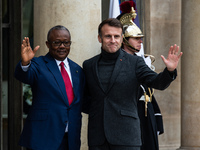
[152, 124]
[113, 113]
[50, 112]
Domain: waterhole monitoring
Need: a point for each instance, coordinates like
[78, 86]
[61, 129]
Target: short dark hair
[111, 22]
[58, 27]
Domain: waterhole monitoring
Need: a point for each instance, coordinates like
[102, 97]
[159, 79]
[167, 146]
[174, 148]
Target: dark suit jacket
[113, 113]
[50, 112]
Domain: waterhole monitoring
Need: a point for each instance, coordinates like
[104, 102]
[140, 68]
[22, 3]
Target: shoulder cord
[147, 98]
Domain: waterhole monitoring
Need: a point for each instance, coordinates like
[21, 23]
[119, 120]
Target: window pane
[5, 11]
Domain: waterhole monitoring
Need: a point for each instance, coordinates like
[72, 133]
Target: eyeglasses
[59, 43]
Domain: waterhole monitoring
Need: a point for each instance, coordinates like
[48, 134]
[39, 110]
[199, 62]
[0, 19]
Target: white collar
[65, 61]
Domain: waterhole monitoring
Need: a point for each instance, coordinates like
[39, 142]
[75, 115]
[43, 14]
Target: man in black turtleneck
[113, 78]
[105, 67]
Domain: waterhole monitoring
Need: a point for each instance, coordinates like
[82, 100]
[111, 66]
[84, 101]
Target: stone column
[82, 19]
[163, 29]
[190, 88]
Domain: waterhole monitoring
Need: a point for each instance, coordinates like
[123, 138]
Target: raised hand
[26, 51]
[173, 58]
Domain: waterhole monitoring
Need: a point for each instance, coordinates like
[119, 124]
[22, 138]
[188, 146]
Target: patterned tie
[68, 84]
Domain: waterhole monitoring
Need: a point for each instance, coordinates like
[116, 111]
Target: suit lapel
[52, 66]
[118, 65]
[75, 79]
[95, 72]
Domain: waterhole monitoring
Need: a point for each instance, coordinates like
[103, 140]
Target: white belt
[142, 98]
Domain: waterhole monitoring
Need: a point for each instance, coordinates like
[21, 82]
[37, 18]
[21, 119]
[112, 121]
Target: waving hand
[173, 58]
[26, 51]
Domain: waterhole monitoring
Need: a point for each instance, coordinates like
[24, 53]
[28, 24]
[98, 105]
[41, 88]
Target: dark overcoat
[152, 124]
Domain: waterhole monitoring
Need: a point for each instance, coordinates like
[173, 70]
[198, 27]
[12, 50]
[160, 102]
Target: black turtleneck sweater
[105, 67]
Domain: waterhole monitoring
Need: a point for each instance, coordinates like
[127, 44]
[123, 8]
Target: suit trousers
[108, 146]
[64, 143]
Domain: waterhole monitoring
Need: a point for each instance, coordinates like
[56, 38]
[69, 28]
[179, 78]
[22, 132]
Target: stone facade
[164, 31]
